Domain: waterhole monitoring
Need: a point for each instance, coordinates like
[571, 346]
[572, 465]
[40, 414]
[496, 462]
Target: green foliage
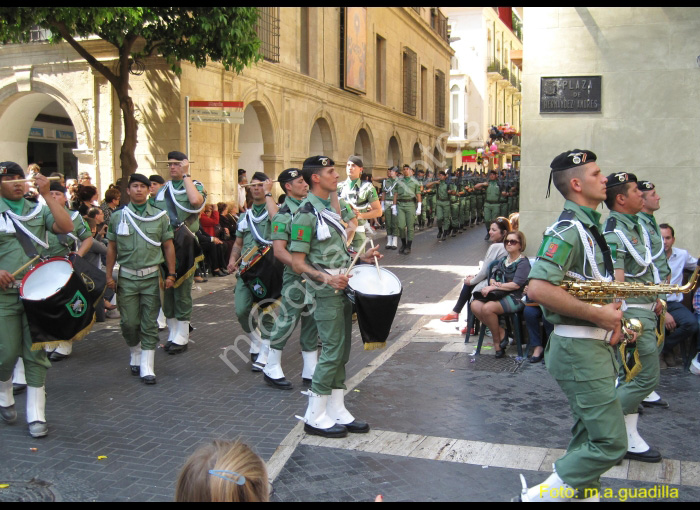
[192, 34]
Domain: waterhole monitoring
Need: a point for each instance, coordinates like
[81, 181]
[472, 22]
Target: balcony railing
[505, 73]
[494, 66]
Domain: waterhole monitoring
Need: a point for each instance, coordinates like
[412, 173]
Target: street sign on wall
[221, 112]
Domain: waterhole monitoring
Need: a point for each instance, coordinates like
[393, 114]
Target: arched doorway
[417, 161]
[35, 128]
[321, 140]
[363, 149]
[393, 153]
[256, 141]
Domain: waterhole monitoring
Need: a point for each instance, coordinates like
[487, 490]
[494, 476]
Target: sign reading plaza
[570, 94]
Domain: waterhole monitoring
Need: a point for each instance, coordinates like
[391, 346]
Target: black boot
[439, 232]
[444, 234]
[453, 232]
[408, 247]
[487, 233]
[403, 246]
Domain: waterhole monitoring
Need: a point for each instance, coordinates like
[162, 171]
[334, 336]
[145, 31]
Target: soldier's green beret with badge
[646, 185]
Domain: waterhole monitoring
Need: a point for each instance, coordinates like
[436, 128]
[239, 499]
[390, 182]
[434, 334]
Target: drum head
[366, 281]
[46, 279]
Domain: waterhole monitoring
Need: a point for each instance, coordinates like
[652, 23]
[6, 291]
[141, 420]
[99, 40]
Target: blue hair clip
[230, 476]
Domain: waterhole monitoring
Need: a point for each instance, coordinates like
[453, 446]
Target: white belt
[582, 332]
[140, 272]
[647, 306]
[336, 271]
[360, 228]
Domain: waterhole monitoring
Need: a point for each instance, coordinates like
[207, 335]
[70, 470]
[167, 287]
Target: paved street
[444, 427]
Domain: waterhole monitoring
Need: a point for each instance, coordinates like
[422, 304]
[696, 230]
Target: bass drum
[376, 299]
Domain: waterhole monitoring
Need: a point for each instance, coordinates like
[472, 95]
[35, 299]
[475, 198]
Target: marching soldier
[292, 306]
[15, 338]
[183, 199]
[319, 254]
[429, 197]
[254, 231]
[442, 207]
[362, 197]
[390, 220]
[406, 197]
[492, 199]
[140, 240]
[580, 353]
[421, 217]
[632, 254]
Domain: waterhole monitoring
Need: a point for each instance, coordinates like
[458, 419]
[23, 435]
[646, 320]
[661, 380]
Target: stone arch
[18, 110]
[364, 146]
[322, 140]
[257, 140]
[393, 151]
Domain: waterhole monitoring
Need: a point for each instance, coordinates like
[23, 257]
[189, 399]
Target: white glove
[394, 210]
[418, 208]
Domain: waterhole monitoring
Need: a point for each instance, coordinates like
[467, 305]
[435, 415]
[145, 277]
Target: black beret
[156, 178]
[289, 175]
[241, 171]
[571, 159]
[139, 178]
[11, 168]
[318, 162]
[259, 176]
[646, 185]
[176, 155]
[57, 186]
[394, 168]
[407, 166]
[619, 178]
[356, 161]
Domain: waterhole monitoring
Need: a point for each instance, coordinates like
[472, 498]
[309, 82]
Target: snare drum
[376, 299]
[57, 303]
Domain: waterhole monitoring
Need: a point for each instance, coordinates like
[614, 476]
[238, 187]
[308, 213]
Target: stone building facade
[296, 101]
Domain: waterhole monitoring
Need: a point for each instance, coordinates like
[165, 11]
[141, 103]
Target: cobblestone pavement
[444, 428]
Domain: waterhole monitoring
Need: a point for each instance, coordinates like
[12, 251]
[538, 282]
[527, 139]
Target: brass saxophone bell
[629, 327]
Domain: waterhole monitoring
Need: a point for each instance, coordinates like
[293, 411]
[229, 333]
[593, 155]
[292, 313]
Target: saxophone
[598, 293]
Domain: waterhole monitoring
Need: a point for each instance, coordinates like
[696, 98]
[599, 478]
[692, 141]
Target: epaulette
[284, 209]
[567, 215]
[306, 207]
[610, 225]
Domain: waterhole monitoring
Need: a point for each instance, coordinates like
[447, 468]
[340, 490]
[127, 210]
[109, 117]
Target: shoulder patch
[555, 250]
[301, 233]
[278, 226]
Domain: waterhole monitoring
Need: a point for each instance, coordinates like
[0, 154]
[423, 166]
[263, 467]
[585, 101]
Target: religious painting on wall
[356, 49]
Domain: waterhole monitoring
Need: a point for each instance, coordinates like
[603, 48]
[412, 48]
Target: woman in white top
[497, 233]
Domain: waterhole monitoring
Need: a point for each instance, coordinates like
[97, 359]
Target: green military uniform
[472, 198]
[15, 338]
[63, 244]
[442, 209]
[627, 240]
[429, 200]
[584, 368]
[390, 221]
[292, 307]
[333, 310]
[492, 206]
[421, 218]
[177, 301]
[407, 191]
[244, 297]
[360, 195]
[139, 259]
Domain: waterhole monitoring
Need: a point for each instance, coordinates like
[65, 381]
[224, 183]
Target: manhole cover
[26, 492]
[484, 363]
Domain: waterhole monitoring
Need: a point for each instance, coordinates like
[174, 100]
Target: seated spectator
[514, 219]
[213, 247]
[98, 215]
[680, 322]
[110, 203]
[533, 316]
[695, 365]
[96, 256]
[507, 278]
[497, 233]
[228, 223]
[223, 471]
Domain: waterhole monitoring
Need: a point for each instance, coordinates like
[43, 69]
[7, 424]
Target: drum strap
[167, 193]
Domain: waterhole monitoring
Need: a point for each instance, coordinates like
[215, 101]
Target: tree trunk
[127, 155]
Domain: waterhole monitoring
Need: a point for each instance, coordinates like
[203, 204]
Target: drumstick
[254, 184]
[357, 256]
[55, 178]
[376, 262]
[25, 266]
